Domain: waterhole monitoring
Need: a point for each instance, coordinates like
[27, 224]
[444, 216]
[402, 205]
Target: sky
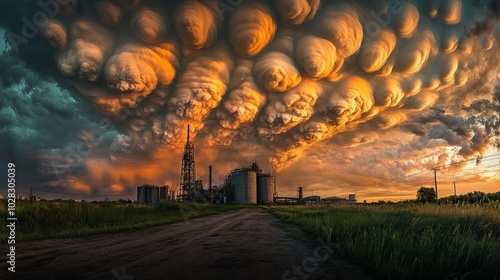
[334, 96]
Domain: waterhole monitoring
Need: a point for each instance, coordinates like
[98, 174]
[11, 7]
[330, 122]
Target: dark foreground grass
[41, 220]
[408, 241]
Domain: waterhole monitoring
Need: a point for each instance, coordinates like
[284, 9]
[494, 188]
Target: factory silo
[244, 186]
[264, 188]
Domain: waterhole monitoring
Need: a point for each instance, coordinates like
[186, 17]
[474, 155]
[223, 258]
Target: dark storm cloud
[472, 133]
[39, 124]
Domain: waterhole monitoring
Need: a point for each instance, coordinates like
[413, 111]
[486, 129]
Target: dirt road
[243, 244]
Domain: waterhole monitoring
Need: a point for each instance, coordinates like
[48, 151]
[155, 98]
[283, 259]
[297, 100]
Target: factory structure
[315, 199]
[151, 194]
[188, 187]
[243, 185]
[249, 185]
[246, 185]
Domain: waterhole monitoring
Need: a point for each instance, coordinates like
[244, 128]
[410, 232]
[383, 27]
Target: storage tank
[141, 195]
[244, 186]
[264, 188]
[163, 193]
[152, 194]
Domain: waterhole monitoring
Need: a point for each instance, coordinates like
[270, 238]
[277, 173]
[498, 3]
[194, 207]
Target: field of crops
[37, 220]
[408, 241]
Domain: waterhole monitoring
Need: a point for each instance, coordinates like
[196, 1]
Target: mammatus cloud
[406, 22]
[376, 52]
[109, 13]
[244, 99]
[388, 93]
[149, 26]
[296, 12]
[317, 56]
[196, 24]
[56, 34]
[290, 109]
[415, 53]
[340, 24]
[276, 72]
[284, 78]
[137, 67]
[198, 91]
[451, 11]
[348, 101]
[90, 46]
[251, 27]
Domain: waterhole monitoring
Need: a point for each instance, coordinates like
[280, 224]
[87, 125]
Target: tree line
[428, 195]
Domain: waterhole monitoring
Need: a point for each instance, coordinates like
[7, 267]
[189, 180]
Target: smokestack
[210, 183]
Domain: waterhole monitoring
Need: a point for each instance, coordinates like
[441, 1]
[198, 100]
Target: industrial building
[151, 194]
[315, 199]
[339, 200]
[244, 185]
[249, 185]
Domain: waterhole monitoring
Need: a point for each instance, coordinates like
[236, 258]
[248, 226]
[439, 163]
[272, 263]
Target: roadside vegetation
[44, 219]
[408, 241]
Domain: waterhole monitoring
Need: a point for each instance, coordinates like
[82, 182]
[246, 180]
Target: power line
[427, 181]
[445, 166]
[483, 159]
[478, 159]
[479, 173]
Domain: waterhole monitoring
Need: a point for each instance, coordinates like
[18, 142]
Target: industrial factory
[248, 185]
[243, 185]
[149, 194]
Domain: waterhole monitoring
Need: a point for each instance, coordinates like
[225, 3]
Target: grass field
[408, 241]
[40, 220]
[392, 241]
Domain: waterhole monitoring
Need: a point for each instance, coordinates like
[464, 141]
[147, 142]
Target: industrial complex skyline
[336, 97]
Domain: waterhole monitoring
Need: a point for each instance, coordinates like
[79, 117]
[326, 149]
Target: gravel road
[242, 244]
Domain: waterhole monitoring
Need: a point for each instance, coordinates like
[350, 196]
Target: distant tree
[426, 195]
[446, 200]
[493, 196]
[471, 198]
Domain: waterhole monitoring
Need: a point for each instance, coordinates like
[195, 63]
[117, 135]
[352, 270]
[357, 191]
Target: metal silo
[264, 188]
[244, 185]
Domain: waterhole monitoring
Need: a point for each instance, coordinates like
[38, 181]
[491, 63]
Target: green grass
[408, 241]
[41, 220]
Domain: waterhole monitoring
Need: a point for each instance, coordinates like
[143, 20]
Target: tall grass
[409, 241]
[39, 220]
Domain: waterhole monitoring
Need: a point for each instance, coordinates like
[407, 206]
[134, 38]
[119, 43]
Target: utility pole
[455, 192]
[436, 183]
